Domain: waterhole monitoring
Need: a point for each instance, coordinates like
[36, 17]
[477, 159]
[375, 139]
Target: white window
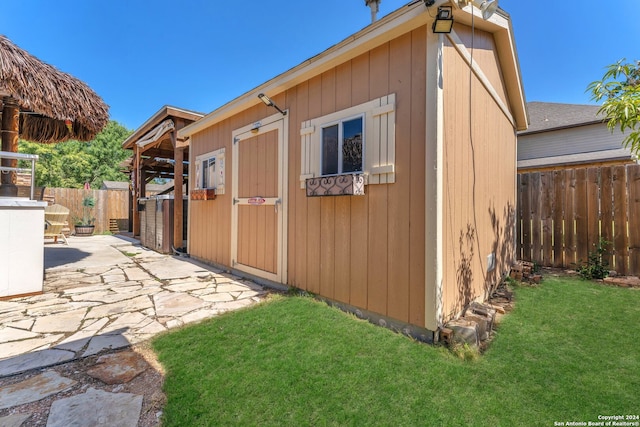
[210, 171]
[360, 139]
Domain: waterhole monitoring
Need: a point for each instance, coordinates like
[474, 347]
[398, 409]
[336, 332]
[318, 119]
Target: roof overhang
[618, 154]
[158, 118]
[571, 126]
[386, 29]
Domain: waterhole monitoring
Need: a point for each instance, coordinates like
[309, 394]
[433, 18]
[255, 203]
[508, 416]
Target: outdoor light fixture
[487, 7]
[444, 20]
[269, 103]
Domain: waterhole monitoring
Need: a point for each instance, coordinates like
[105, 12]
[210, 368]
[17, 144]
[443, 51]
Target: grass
[568, 352]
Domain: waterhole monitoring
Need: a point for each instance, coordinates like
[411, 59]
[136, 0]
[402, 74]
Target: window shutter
[198, 181]
[219, 178]
[380, 142]
[309, 161]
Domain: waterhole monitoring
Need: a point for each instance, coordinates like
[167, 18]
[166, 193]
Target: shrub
[596, 267]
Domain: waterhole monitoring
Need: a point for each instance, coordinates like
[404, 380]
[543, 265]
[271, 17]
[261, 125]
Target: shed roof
[162, 114]
[546, 116]
[399, 22]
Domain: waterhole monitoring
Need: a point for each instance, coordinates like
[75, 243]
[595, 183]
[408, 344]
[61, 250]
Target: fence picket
[536, 219]
[620, 237]
[606, 213]
[547, 208]
[633, 182]
[593, 209]
[525, 214]
[569, 219]
[558, 218]
[582, 227]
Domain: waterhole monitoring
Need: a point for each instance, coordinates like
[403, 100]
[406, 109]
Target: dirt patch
[147, 384]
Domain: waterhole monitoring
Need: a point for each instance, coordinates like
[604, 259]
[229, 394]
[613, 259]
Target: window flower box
[336, 185]
[203, 194]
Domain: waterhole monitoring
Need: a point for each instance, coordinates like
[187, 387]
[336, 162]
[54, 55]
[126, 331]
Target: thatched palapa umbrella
[42, 104]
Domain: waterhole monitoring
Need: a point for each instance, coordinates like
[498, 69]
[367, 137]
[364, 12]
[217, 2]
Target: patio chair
[55, 218]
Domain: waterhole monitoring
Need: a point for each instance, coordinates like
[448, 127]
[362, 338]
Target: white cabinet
[21, 246]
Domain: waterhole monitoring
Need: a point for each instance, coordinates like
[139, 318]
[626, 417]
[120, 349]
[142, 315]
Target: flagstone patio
[101, 302]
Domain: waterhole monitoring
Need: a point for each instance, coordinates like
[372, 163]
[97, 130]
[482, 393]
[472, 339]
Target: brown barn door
[258, 213]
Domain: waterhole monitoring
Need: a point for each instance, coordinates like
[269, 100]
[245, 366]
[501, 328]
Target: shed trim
[434, 160]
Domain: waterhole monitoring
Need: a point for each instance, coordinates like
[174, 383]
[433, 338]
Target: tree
[619, 90]
[70, 164]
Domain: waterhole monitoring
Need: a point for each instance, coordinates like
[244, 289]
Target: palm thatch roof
[55, 106]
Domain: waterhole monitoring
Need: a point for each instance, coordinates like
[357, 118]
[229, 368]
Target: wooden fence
[564, 213]
[111, 209]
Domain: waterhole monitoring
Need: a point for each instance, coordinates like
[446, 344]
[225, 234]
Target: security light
[444, 20]
[269, 103]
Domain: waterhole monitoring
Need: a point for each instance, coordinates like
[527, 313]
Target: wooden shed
[387, 183]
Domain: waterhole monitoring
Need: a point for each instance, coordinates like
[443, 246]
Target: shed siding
[210, 220]
[366, 251]
[483, 48]
[479, 183]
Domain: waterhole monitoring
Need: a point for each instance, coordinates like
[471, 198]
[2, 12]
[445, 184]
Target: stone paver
[118, 368]
[34, 389]
[14, 420]
[104, 302]
[96, 408]
[34, 360]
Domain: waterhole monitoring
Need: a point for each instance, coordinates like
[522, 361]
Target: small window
[342, 147]
[210, 171]
[356, 140]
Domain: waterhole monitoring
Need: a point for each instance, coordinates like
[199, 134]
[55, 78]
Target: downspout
[434, 191]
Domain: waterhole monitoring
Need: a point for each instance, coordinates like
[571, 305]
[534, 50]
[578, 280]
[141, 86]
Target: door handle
[275, 205]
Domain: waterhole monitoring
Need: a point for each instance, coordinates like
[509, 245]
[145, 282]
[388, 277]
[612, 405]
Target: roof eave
[554, 128]
[399, 22]
[163, 113]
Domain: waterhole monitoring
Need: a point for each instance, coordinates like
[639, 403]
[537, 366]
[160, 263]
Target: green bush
[595, 267]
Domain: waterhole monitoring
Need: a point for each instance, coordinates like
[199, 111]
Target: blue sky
[199, 54]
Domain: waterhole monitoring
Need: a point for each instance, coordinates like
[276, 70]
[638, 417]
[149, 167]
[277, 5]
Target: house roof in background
[115, 185]
[545, 116]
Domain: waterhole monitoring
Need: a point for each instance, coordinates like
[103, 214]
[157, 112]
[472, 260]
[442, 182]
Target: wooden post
[178, 170]
[10, 130]
[136, 191]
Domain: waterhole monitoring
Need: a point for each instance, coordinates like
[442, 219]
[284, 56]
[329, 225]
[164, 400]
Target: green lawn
[568, 352]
